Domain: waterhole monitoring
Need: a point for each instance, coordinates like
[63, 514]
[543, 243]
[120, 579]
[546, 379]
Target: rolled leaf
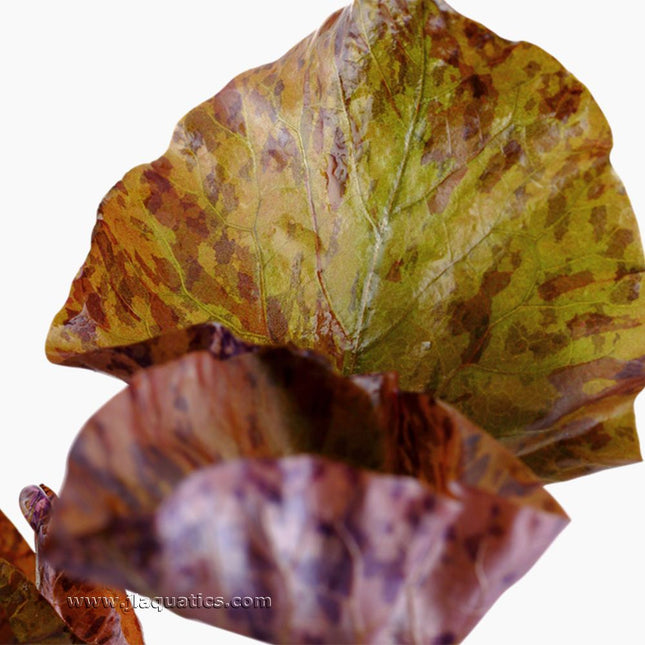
[191, 481]
[94, 614]
[403, 190]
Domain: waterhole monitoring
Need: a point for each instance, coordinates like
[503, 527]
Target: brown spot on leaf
[593, 324]
[532, 68]
[539, 342]
[158, 187]
[227, 108]
[618, 242]
[276, 320]
[597, 437]
[247, 287]
[500, 164]
[224, 249]
[394, 274]
[598, 219]
[440, 198]
[559, 285]
[557, 206]
[166, 274]
[480, 85]
[565, 101]
[336, 175]
[472, 316]
[627, 290]
[596, 188]
[95, 309]
[166, 317]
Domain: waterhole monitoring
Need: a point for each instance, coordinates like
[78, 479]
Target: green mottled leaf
[25, 615]
[193, 481]
[403, 190]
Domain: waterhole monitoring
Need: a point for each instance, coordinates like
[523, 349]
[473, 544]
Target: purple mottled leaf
[402, 522]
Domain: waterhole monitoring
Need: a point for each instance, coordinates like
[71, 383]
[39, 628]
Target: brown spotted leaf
[403, 190]
[15, 550]
[95, 622]
[404, 522]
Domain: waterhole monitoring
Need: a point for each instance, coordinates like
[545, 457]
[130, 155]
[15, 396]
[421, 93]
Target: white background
[90, 90]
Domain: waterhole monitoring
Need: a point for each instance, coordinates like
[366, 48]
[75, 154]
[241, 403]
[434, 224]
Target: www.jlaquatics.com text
[191, 601]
